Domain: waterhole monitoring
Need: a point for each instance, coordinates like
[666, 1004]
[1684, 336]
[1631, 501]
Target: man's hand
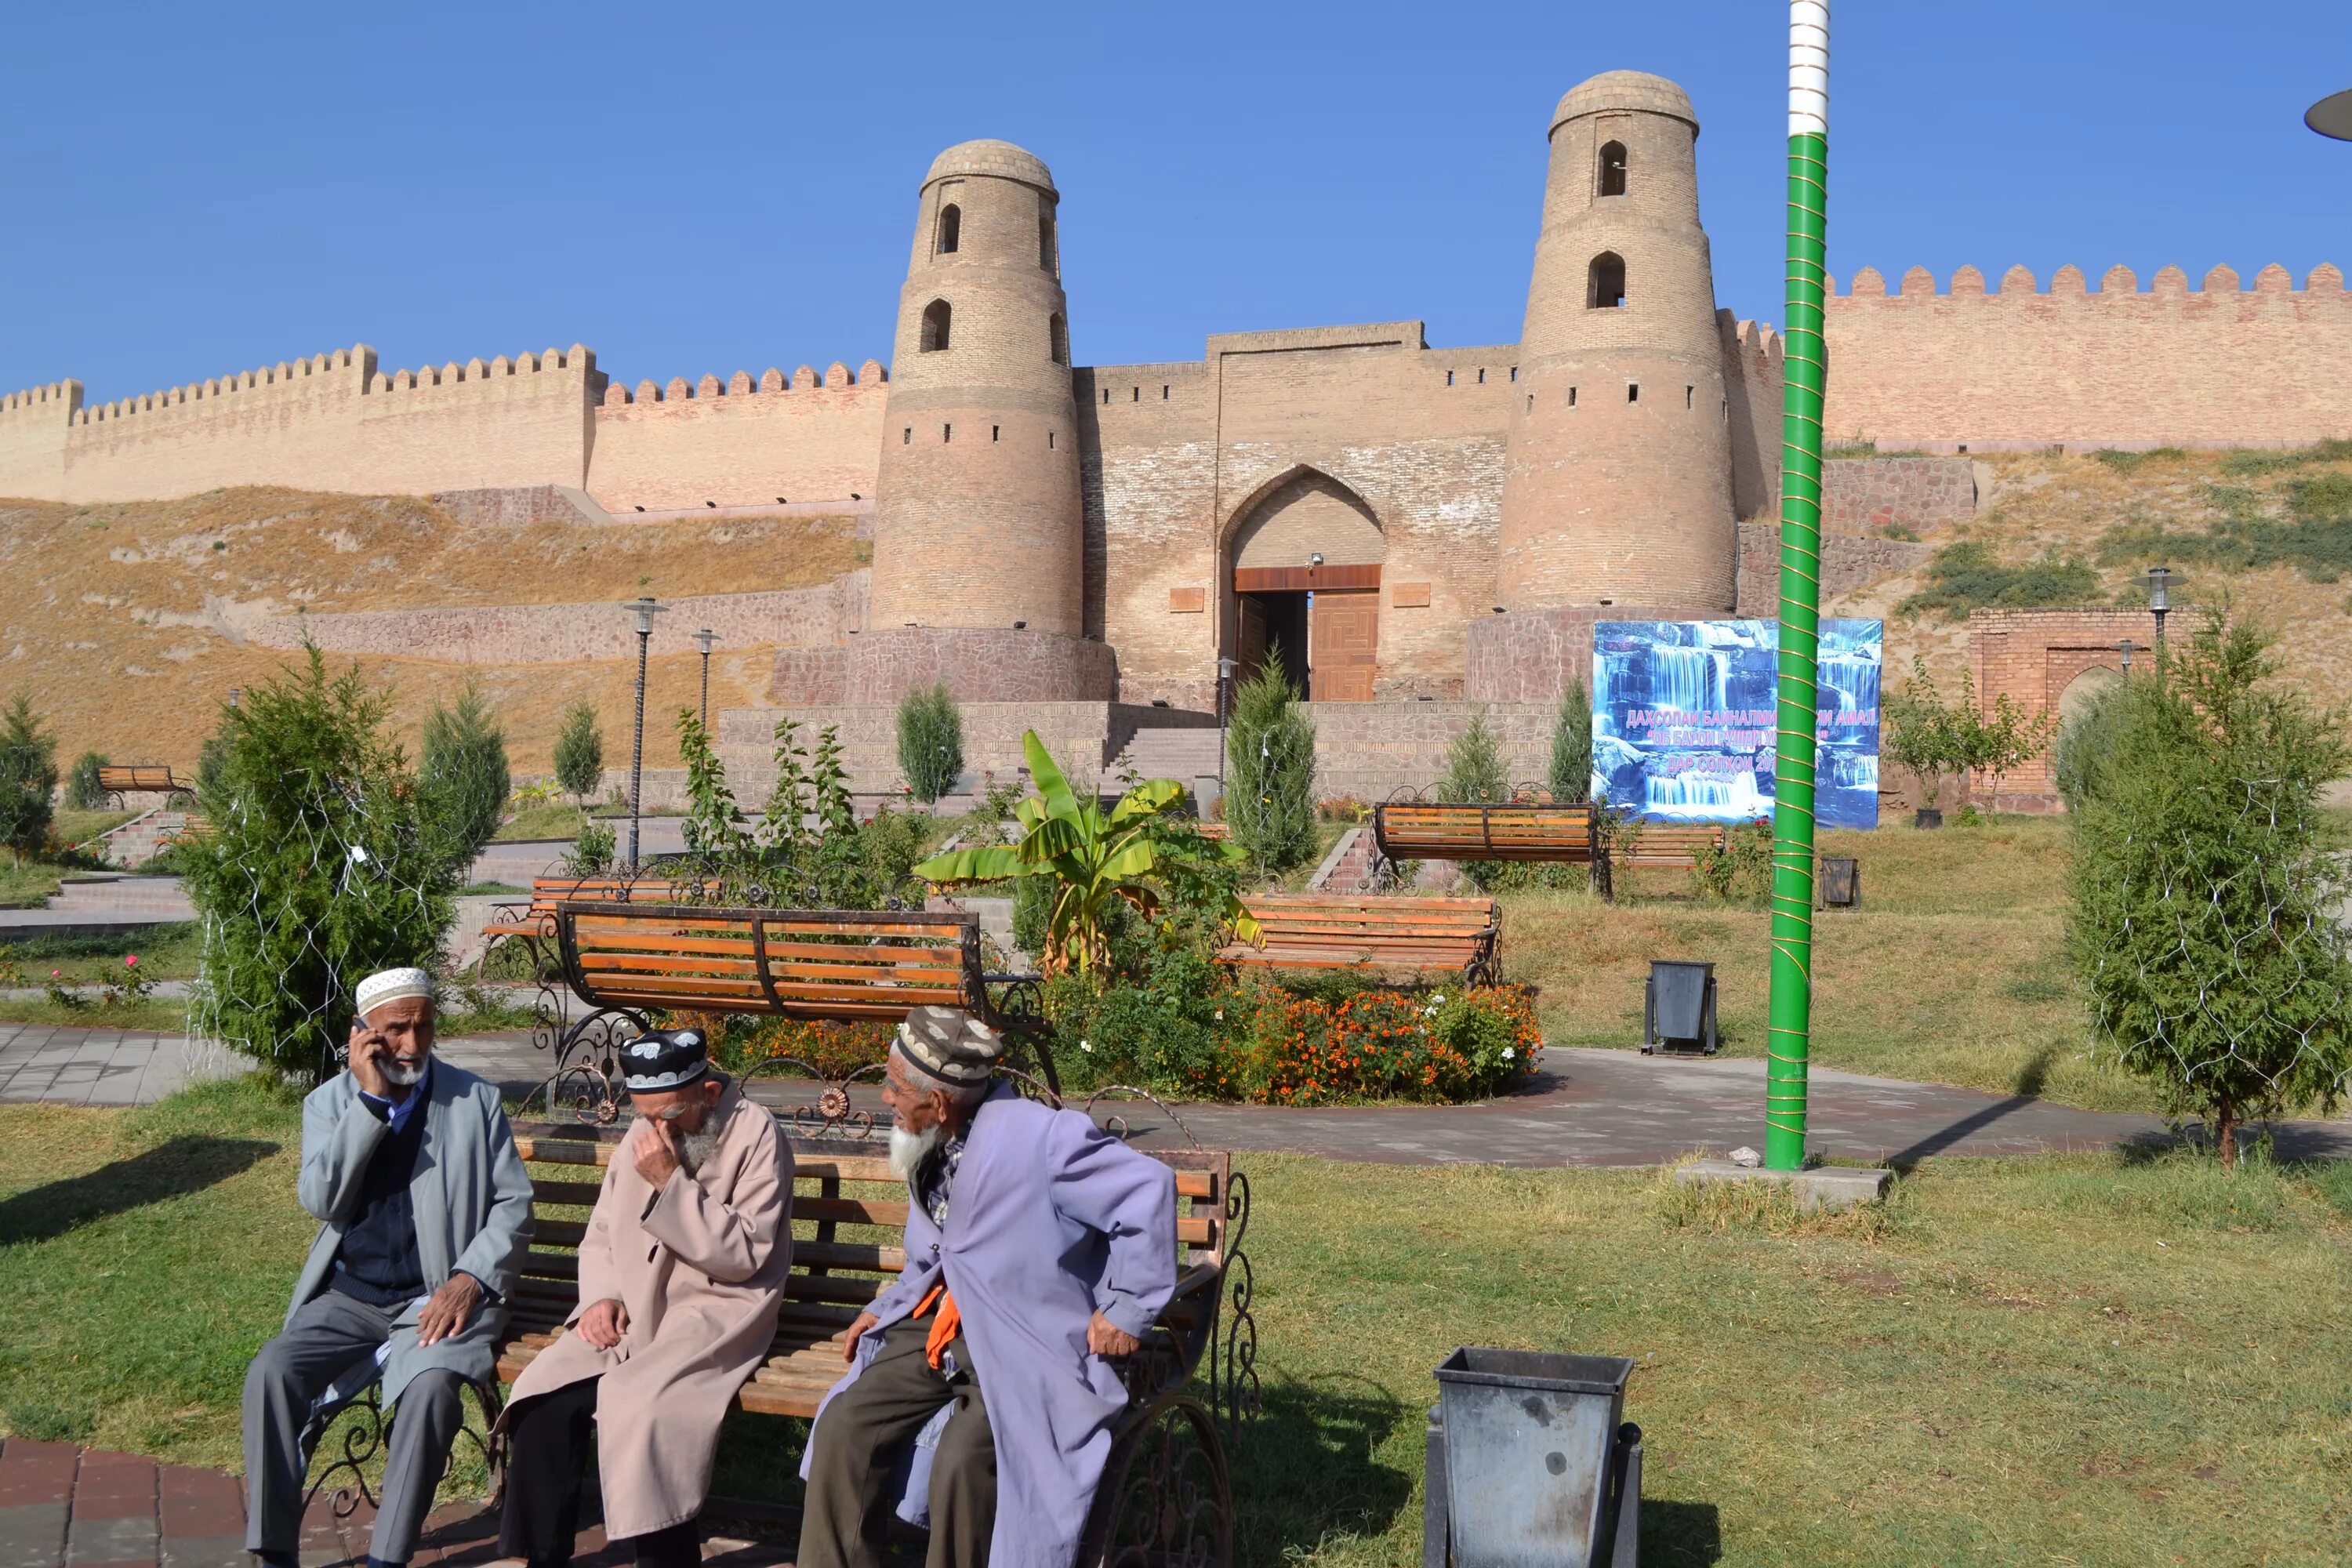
[368, 1050]
[449, 1310]
[1107, 1338]
[857, 1333]
[656, 1148]
[602, 1323]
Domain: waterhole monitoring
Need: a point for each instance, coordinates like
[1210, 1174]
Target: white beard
[909, 1150]
[401, 1076]
[694, 1149]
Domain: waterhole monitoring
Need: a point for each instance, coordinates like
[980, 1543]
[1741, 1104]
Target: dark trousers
[547, 1455]
[326, 1337]
[861, 1435]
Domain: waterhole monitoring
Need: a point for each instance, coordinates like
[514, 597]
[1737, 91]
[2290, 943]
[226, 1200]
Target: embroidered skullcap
[663, 1058]
[391, 985]
[954, 1047]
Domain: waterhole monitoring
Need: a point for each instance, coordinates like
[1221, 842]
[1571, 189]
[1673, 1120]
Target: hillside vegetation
[127, 623]
[2270, 531]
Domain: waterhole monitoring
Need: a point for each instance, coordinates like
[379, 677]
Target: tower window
[1571, 398]
[1613, 168]
[1606, 289]
[1048, 256]
[1688, 394]
[1531, 403]
[1049, 440]
[995, 431]
[1106, 397]
[1449, 378]
[935, 326]
[1163, 394]
[947, 433]
[950, 229]
[906, 439]
[1633, 391]
[1058, 332]
[1137, 395]
[1482, 376]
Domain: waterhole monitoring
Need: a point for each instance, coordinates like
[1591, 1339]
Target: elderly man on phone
[425, 1210]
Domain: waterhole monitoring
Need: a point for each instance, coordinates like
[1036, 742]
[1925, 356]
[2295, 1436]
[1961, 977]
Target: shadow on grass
[186, 1164]
[1309, 1468]
[1681, 1534]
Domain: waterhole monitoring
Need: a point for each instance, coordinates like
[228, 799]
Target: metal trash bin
[1531, 1463]
[1679, 1007]
[1841, 881]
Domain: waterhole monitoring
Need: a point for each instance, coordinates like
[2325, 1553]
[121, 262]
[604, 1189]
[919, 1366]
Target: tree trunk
[2225, 1127]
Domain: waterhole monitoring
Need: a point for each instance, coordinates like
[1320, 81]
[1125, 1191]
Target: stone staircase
[1349, 868]
[136, 842]
[1184, 755]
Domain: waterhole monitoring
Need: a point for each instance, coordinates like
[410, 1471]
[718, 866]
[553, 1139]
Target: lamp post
[647, 609]
[1225, 667]
[703, 640]
[2126, 648]
[2159, 583]
[236, 695]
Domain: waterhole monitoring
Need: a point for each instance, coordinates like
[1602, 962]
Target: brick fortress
[1409, 529]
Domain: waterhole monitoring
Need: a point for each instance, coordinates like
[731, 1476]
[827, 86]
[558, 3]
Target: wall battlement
[837, 375]
[740, 442]
[2326, 280]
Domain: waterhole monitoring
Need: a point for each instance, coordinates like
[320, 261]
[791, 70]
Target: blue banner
[1683, 720]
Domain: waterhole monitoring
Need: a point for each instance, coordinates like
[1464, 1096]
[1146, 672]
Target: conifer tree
[931, 742]
[464, 775]
[1571, 748]
[580, 753]
[28, 772]
[1270, 772]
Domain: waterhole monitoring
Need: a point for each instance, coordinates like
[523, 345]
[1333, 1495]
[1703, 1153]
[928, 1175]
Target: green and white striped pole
[1789, 1038]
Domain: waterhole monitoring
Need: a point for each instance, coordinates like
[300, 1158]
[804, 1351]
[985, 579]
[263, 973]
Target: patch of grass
[2132, 462]
[73, 827]
[485, 889]
[155, 1015]
[1966, 575]
[2249, 462]
[166, 952]
[542, 822]
[2045, 1359]
[27, 884]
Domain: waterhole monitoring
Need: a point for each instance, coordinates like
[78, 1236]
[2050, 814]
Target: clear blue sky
[190, 190]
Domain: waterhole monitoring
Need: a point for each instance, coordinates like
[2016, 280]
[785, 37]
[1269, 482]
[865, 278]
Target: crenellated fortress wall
[740, 442]
[1972, 369]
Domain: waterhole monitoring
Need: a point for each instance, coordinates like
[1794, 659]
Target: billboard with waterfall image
[1683, 728]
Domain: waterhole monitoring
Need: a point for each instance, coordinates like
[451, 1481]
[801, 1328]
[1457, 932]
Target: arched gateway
[1307, 553]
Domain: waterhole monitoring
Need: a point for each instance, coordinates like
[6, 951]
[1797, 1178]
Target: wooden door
[1249, 639]
[1343, 646]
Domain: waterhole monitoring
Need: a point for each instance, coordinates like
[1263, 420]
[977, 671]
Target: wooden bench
[1671, 843]
[1425, 830]
[849, 1217]
[119, 779]
[533, 923]
[1307, 930]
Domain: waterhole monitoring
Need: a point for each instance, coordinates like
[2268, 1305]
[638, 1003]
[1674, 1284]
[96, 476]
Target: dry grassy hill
[125, 622]
[2268, 532]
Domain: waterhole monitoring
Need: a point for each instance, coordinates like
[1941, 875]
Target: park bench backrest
[549, 892]
[1416, 830]
[1673, 843]
[822, 964]
[120, 777]
[834, 1275]
[1307, 930]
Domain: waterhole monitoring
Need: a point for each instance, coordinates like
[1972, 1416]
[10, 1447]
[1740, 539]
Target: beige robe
[700, 1267]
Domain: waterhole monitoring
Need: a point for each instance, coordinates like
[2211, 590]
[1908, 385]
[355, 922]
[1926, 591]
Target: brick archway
[2034, 656]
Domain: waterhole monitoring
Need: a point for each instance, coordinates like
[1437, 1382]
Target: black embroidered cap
[954, 1047]
[663, 1058]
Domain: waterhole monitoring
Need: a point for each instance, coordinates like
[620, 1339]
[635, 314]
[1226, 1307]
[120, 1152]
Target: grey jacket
[470, 1193]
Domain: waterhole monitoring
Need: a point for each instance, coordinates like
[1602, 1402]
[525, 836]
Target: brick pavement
[63, 1507]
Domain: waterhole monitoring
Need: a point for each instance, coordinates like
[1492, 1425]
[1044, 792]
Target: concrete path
[1585, 1108]
[86, 1508]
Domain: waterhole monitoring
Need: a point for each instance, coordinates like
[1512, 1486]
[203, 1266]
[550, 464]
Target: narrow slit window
[1137, 395]
[1481, 375]
[1688, 394]
[947, 433]
[1531, 403]
[1047, 257]
[1606, 289]
[907, 438]
[1058, 332]
[1106, 397]
[1049, 440]
[1613, 168]
[1163, 394]
[995, 432]
[937, 316]
[1449, 378]
[1633, 391]
[950, 229]
[1571, 398]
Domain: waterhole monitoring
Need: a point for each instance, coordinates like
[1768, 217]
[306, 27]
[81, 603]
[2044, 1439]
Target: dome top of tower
[1001, 160]
[1637, 91]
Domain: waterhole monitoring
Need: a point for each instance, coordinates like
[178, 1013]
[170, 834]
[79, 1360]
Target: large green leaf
[1053, 837]
[1150, 796]
[1052, 787]
[1130, 860]
[985, 863]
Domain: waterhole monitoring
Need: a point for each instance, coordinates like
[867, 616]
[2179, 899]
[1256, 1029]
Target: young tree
[1475, 770]
[1571, 748]
[931, 742]
[1270, 772]
[1918, 733]
[28, 772]
[2006, 740]
[320, 868]
[2209, 884]
[580, 753]
[83, 791]
[464, 773]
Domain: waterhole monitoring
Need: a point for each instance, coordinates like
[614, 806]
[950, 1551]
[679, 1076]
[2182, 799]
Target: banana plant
[1096, 859]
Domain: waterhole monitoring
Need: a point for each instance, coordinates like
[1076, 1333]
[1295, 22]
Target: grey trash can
[1532, 1457]
[1679, 1007]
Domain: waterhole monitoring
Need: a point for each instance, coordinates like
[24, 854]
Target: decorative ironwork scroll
[367, 1439]
[1166, 1500]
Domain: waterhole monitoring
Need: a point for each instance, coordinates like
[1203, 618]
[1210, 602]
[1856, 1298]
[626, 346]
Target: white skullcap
[391, 985]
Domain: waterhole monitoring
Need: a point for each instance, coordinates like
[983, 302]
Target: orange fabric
[944, 1329]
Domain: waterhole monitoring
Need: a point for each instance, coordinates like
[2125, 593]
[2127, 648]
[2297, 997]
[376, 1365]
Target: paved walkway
[1585, 1108]
[90, 1509]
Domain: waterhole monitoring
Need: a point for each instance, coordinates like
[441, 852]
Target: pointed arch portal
[1306, 553]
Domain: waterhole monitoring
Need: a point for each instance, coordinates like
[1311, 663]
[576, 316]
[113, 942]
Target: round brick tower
[977, 523]
[1618, 490]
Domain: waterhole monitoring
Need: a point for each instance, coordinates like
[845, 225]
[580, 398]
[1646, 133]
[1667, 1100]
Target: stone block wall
[1085, 738]
[1849, 562]
[1532, 656]
[1860, 495]
[1368, 751]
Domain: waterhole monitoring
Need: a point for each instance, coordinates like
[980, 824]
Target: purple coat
[1050, 1219]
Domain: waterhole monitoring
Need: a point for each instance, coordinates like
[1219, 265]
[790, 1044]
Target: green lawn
[1953, 970]
[2091, 1358]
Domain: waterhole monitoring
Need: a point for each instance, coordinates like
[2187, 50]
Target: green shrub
[1270, 773]
[931, 742]
[28, 772]
[1475, 769]
[83, 791]
[321, 867]
[2208, 881]
[580, 753]
[2131, 462]
[1965, 576]
[463, 775]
